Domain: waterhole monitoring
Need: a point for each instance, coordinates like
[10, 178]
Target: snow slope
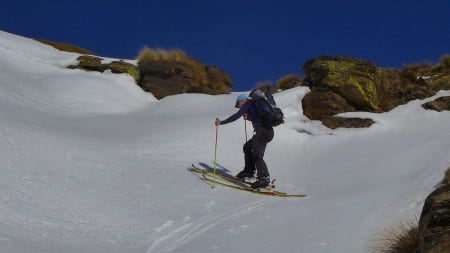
[90, 163]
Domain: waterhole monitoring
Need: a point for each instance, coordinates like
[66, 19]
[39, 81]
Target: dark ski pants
[254, 150]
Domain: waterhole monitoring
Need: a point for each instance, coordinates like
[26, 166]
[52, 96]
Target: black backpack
[266, 108]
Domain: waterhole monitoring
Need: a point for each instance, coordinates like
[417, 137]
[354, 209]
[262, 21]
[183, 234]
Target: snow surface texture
[90, 163]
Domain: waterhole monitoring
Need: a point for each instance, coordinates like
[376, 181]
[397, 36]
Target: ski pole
[215, 157]
[245, 128]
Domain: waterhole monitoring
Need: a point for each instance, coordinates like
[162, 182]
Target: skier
[255, 147]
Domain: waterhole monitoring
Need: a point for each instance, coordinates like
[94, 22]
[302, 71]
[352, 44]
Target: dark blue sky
[250, 40]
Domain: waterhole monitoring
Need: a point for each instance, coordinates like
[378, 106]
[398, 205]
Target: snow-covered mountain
[91, 163]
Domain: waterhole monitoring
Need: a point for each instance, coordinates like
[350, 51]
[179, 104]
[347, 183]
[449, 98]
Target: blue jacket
[249, 109]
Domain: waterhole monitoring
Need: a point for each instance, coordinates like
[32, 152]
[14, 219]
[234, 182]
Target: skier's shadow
[219, 168]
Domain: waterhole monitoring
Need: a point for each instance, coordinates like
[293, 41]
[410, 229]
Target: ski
[233, 182]
[233, 179]
[226, 176]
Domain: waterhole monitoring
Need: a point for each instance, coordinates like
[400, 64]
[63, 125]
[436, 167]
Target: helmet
[239, 98]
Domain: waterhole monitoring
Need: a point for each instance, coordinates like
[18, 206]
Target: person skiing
[254, 148]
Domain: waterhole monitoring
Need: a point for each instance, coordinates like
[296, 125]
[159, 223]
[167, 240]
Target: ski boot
[246, 176]
[262, 182]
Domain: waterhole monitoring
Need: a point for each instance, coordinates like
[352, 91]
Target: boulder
[166, 77]
[89, 63]
[439, 104]
[319, 104]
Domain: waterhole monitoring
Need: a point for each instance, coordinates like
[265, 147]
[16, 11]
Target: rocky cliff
[165, 77]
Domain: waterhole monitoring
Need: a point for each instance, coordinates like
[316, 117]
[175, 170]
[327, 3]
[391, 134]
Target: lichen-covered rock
[124, 67]
[94, 63]
[90, 63]
[353, 79]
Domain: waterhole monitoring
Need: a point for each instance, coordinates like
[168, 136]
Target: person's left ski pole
[215, 157]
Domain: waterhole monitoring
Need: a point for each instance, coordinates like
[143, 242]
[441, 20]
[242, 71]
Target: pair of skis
[233, 182]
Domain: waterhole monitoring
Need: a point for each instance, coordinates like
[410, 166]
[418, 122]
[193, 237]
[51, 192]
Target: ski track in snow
[171, 236]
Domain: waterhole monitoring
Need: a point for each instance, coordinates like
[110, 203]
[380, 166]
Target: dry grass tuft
[159, 54]
[444, 64]
[289, 81]
[401, 238]
[65, 46]
[414, 70]
[266, 86]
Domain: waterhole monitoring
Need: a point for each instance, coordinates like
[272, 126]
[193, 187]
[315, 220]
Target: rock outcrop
[434, 223]
[164, 77]
[343, 84]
